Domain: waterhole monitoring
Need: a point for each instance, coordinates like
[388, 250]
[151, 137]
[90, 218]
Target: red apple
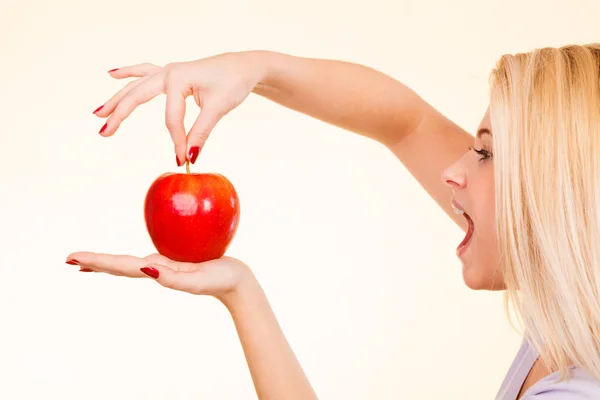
[191, 217]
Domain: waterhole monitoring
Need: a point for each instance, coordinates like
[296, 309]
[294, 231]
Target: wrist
[246, 288]
[266, 65]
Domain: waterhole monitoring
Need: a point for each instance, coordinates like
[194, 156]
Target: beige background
[357, 261]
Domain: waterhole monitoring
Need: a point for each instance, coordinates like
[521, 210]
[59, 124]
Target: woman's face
[472, 181]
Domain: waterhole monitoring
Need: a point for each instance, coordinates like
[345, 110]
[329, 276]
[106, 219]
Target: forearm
[351, 96]
[275, 371]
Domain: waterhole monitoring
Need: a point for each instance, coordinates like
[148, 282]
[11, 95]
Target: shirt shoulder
[578, 386]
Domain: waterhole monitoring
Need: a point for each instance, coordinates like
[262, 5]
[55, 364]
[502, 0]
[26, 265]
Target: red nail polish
[72, 262]
[193, 154]
[103, 128]
[113, 70]
[98, 109]
[151, 272]
[86, 270]
[179, 163]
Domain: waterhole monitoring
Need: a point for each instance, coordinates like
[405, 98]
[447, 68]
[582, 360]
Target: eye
[482, 152]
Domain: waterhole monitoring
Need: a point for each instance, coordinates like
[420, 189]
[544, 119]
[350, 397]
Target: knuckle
[170, 79]
[171, 65]
[174, 75]
[172, 122]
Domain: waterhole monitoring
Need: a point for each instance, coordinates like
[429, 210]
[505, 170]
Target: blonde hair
[545, 117]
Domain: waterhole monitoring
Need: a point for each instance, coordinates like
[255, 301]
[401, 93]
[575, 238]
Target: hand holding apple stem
[187, 167]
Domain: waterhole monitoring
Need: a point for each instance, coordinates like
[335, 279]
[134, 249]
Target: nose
[454, 176]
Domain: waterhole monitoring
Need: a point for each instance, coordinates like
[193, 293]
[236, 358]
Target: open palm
[214, 278]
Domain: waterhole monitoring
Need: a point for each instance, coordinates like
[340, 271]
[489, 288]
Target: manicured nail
[151, 272]
[103, 128]
[98, 109]
[179, 163]
[193, 154]
[113, 70]
[72, 262]
[86, 270]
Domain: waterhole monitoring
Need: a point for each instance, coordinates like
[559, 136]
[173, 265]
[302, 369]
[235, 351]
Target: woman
[523, 189]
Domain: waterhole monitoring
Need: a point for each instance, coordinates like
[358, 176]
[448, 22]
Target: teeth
[458, 211]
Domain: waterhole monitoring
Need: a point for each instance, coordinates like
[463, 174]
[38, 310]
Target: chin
[479, 278]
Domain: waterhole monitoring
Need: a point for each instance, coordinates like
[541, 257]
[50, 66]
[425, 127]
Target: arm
[372, 104]
[275, 371]
[351, 96]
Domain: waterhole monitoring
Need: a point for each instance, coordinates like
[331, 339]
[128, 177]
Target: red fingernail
[86, 270]
[72, 262]
[103, 128]
[193, 154]
[113, 70]
[151, 272]
[98, 109]
[179, 163]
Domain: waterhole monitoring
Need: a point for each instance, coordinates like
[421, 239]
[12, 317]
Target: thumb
[203, 126]
[184, 281]
[162, 274]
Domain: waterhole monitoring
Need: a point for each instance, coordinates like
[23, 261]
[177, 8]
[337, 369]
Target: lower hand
[216, 278]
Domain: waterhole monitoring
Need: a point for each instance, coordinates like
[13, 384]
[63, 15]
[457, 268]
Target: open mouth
[463, 245]
[465, 242]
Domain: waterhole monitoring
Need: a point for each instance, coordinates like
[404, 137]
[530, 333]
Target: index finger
[140, 94]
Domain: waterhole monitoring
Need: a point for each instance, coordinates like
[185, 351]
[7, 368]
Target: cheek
[490, 201]
[486, 207]
[488, 218]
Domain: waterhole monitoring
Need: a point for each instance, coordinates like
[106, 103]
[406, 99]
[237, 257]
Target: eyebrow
[483, 131]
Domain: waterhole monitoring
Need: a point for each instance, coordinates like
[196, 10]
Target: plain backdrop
[358, 262]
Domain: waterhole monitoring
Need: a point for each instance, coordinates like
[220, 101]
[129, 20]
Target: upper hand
[216, 278]
[218, 85]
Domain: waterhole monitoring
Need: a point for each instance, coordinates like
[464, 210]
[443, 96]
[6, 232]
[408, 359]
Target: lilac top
[579, 386]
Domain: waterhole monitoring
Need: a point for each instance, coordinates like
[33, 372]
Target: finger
[107, 108]
[174, 115]
[191, 282]
[120, 265]
[137, 71]
[164, 275]
[203, 126]
[139, 95]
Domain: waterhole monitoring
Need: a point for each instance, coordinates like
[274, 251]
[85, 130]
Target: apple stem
[187, 167]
